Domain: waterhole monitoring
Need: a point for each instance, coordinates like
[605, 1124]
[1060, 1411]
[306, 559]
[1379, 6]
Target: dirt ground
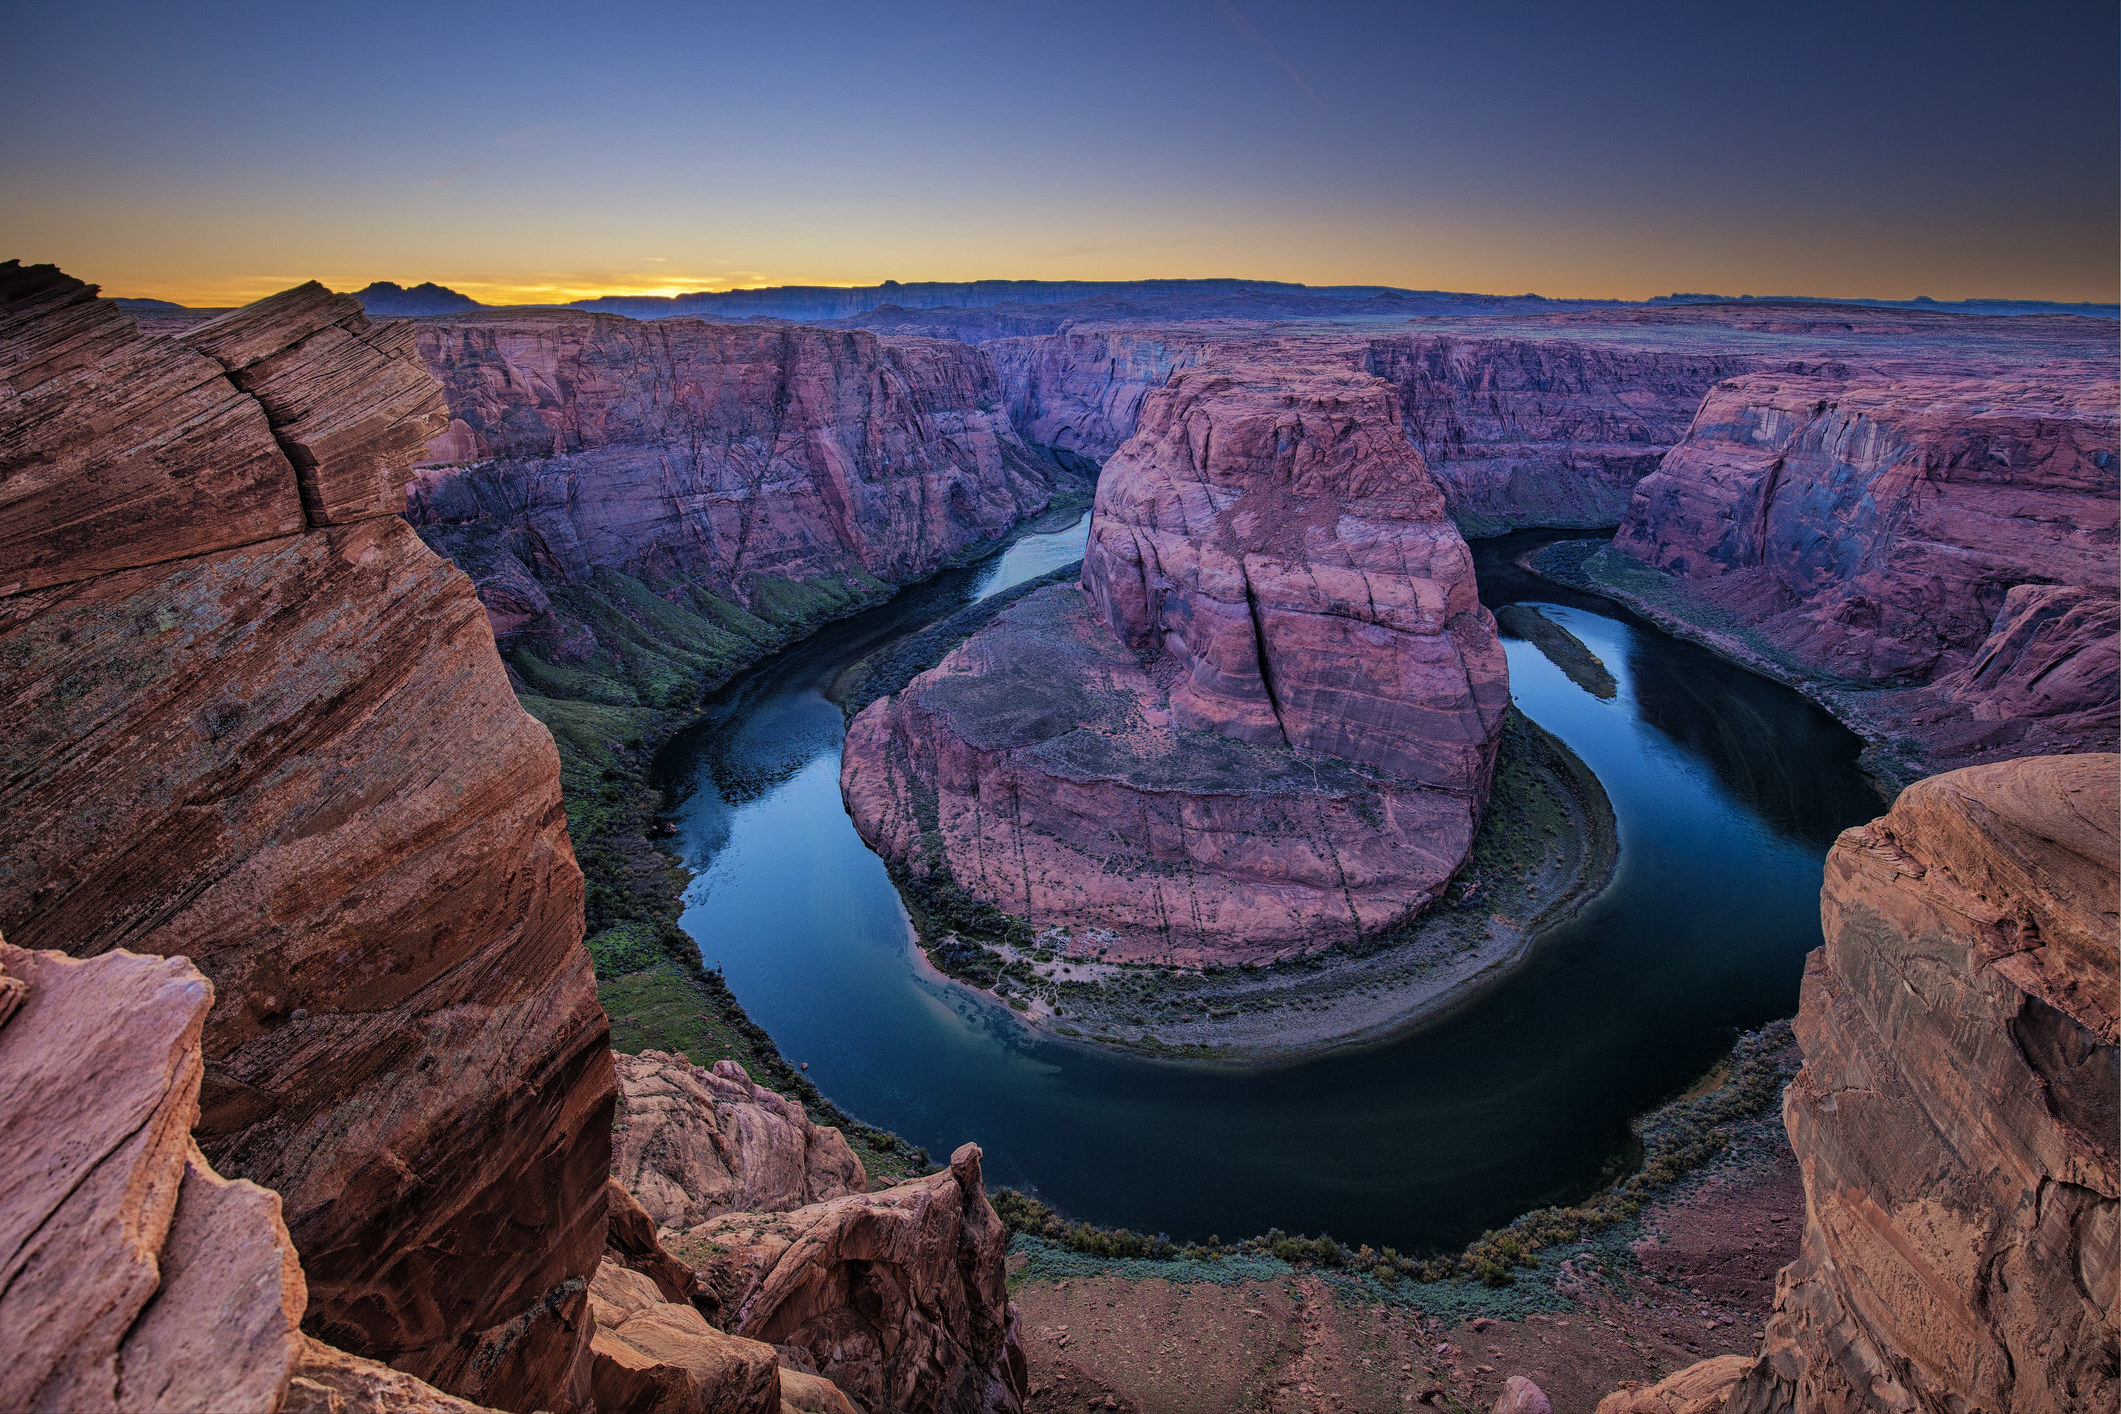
[1702, 1285]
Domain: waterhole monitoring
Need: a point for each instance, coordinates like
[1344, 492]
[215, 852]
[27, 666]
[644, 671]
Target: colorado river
[1727, 789]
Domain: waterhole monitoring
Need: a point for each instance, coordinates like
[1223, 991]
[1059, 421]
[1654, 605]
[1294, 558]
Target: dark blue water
[1728, 790]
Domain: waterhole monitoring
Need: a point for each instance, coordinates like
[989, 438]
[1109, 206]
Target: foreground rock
[1268, 723]
[897, 1297]
[691, 1143]
[1914, 529]
[228, 750]
[1956, 1116]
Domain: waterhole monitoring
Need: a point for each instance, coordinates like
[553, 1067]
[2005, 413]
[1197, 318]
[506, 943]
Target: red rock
[132, 1276]
[330, 1381]
[1305, 756]
[691, 1143]
[656, 1357]
[1698, 1389]
[349, 401]
[1083, 393]
[1525, 431]
[1956, 1116]
[1913, 528]
[120, 450]
[701, 457]
[899, 1297]
[236, 756]
[1521, 1396]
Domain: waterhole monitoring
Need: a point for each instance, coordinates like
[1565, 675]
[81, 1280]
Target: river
[1727, 788]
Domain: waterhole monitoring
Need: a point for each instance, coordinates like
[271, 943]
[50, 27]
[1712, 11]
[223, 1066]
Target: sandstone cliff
[1956, 1116]
[593, 464]
[1083, 393]
[226, 751]
[1950, 532]
[1267, 724]
[1523, 431]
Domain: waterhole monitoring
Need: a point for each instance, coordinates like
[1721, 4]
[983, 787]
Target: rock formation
[1956, 1116]
[1083, 393]
[225, 749]
[691, 1143]
[1522, 431]
[710, 463]
[1267, 723]
[660, 1357]
[898, 1297]
[1927, 529]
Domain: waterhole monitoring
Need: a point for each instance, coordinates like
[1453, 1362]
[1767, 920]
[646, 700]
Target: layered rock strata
[691, 1143]
[1913, 529]
[1083, 393]
[227, 751]
[1543, 432]
[702, 460]
[1267, 722]
[1956, 1117]
[898, 1297]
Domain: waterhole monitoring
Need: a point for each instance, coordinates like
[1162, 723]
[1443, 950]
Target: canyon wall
[1083, 393]
[1918, 527]
[1956, 1118]
[1523, 431]
[725, 469]
[228, 662]
[1264, 724]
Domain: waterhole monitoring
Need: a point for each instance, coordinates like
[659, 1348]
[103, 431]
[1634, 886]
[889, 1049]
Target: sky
[522, 152]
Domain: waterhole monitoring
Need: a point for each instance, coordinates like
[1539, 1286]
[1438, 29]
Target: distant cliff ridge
[385, 300]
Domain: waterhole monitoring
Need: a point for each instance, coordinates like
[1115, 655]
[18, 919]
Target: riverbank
[1547, 846]
[1892, 757]
[1682, 1268]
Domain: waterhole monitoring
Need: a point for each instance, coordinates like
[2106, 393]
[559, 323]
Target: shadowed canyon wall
[1266, 721]
[602, 474]
[228, 662]
[1913, 527]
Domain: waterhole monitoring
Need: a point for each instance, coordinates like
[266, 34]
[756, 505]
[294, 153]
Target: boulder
[1521, 1396]
[1956, 1117]
[132, 1276]
[1698, 1389]
[656, 1357]
[329, 1381]
[692, 1142]
[899, 1297]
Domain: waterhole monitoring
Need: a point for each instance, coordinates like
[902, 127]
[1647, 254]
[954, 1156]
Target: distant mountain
[140, 304]
[385, 300]
[1959, 306]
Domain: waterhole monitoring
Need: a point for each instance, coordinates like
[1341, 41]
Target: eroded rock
[898, 1297]
[658, 1357]
[1268, 723]
[1957, 1112]
[691, 1143]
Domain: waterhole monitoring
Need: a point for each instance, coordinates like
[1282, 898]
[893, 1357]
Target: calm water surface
[1728, 790]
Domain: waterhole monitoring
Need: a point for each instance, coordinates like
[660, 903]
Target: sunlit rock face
[1918, 528]
[1264, 723]
[238, 709]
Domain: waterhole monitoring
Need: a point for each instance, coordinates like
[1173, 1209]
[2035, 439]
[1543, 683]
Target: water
[1728, 790]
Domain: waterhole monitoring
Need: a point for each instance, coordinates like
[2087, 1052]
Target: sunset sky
[526, 151]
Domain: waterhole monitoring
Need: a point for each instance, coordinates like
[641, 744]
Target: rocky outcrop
[1083, 393]
[1266, 725]
[329, 1381]
[1522, 431]
[898, 1297]
[1956, 1116]
[226, 751]
[1698, 1389]
[691, 1143]
[1912, 529]
[709, 463]
[660, 1357]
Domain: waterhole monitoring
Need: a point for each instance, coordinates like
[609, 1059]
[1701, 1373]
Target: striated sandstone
[1917, 528]
[1527, 431]
[704, 459]
[691, 1143]
[1083, 393]
[231, 756]
[330, 1381]
[1956, 1117]
[1266, 726]
[132, 1276]
[349, 401]
[898, 1297]
[655, 1357]
[1698, 1389]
